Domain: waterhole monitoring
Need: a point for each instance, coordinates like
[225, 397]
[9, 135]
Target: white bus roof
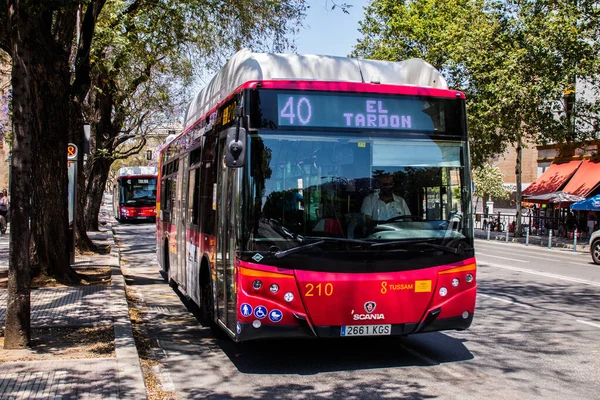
[125, 171]
[246, 66]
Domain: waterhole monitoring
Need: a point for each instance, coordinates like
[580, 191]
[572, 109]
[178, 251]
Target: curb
[130, 373]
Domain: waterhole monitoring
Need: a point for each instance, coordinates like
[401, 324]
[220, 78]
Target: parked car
[595, 246]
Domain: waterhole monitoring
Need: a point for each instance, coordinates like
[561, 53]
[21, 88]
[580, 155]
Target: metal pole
[527, 236]
[549, 239]
[507, 235]
[575, 241]
[488, 229]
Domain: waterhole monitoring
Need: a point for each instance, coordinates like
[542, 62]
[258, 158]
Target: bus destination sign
[344, 111]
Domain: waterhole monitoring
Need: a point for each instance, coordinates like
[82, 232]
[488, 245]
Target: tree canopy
[518, 61]
[487, 180]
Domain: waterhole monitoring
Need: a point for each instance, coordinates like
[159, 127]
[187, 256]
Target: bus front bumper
[430, 324]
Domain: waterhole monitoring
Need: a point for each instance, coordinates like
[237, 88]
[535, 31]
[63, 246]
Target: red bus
[270, 215]
[134, 193]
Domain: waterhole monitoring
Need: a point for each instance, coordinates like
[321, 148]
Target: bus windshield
[319, 191]
[137, 192]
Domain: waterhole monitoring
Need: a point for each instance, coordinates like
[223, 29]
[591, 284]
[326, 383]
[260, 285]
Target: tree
[488, 181]
[37, 36]
[143, 65]
[514, 59]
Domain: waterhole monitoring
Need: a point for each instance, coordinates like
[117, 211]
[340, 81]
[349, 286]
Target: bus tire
[206, 296]
[165, 264]
[207, 310]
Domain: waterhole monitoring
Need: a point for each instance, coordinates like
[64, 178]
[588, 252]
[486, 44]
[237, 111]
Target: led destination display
[360, 111]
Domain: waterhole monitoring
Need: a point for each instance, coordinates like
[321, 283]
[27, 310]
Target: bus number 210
[318, 289]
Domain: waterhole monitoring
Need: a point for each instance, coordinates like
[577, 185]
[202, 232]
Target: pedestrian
[591, 223]
[4, 204]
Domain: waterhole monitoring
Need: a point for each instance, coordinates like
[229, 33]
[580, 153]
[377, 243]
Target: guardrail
[537, 225]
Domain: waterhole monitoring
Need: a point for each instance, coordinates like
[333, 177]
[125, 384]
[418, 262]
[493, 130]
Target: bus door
[180, 224]
[226, 239]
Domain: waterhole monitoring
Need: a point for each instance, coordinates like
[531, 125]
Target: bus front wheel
[207, 310]
[206, 296]
[165, 266]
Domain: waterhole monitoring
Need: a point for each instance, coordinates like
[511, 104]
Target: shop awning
[552, 179]
[555, 197]
[585, 180]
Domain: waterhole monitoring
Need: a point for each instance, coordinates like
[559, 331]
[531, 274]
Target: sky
[330, 32]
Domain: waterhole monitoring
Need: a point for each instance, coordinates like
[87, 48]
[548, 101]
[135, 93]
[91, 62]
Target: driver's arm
[367, 209]
[404, 206]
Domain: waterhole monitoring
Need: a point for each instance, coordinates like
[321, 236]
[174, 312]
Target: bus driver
[383, 204]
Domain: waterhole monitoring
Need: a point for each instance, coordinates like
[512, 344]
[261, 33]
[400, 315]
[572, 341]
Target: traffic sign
[72, 151]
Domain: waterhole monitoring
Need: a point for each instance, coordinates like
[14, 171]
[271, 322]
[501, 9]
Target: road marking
[516, 303]
[504, 258]
[538, 258]
[588, 323]
[547, 275]
[536, 250]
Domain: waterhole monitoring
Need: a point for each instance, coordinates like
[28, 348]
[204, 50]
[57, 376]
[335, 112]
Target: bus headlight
[257, 284]
[469, 278]
[443, 291]
[274, 288]
[455, 282]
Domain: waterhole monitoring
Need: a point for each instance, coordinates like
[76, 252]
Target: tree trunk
[518, 171]
[96, 187]
[18, 329]
[50, 77]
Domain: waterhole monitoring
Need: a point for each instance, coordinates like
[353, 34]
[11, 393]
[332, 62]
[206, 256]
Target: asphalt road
[534, 336]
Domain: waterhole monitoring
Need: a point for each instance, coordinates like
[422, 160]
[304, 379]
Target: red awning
[552, 179]
[585, 180]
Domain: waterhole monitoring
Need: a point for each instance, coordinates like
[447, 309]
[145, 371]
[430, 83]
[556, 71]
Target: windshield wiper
[320, 240]
[407, 241]
[287, 252]
[460, 249]
[342, 240]
[424, 243]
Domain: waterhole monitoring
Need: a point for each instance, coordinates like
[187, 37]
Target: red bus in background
[264, 199]
[134, 193]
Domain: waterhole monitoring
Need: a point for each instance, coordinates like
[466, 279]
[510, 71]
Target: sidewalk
[115, 377]
[536, 240]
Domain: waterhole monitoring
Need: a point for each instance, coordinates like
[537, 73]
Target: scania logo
[362, 317]
[370, 306]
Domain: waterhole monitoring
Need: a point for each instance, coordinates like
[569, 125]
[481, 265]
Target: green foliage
[146, 59]
[488, 182]
[514, 59]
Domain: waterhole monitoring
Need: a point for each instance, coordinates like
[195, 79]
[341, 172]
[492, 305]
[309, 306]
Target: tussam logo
[369, 308]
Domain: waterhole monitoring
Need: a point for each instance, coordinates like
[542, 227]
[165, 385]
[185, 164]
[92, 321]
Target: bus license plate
[366, 330]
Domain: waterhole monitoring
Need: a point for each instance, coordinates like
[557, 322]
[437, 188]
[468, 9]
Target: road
[535, 336]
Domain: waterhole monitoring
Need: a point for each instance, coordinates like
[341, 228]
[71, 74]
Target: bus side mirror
[235, 147]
